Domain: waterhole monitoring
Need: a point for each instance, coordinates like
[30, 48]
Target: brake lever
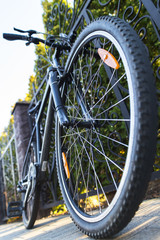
[30, 32]
[28, 43]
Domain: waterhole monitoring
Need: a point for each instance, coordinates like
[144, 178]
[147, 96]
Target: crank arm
[27, 194]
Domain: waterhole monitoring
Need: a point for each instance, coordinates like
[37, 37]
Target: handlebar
[29, 39]
[12, 37]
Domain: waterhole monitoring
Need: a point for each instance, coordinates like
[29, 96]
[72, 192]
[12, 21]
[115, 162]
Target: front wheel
[105, 157]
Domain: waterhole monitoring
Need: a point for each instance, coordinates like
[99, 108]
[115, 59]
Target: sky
[16, 60]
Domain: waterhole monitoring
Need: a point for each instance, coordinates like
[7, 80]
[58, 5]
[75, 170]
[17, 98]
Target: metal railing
[10, 170]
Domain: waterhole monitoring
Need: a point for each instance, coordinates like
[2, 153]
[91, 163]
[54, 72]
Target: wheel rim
[98, 158]
[29, 174]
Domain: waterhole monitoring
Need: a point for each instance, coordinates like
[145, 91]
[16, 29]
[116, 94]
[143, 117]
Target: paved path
[145, 225]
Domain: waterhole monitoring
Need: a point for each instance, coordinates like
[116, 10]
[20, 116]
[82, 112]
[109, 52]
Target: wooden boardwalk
[145, 225]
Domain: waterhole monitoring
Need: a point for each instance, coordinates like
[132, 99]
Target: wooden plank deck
[145, 225]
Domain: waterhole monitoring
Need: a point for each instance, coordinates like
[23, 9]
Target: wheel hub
[32, 173]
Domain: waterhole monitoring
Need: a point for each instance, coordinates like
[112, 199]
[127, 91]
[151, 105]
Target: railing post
[13, 172]
[3, 216]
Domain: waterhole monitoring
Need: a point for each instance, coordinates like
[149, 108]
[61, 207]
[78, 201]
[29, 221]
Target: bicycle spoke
[102, 154]
[114, 105]
[83, 142]
[111, 119]
[107, 91]
[84, 181]
[102, 149]
[125, 145]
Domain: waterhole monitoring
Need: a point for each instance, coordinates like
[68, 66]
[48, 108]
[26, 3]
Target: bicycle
[104, 105]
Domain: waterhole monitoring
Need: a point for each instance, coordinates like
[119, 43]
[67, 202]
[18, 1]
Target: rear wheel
[105, 158]
[30, 197]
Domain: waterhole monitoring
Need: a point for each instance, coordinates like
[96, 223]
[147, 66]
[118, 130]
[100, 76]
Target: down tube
[47, 135]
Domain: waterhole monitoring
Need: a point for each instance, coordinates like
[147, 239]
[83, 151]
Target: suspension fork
[59, 106]
[58, 103]
[80, 99]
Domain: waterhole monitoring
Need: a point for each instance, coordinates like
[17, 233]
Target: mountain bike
[102, 104]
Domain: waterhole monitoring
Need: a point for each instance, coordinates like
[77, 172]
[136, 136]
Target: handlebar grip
[12, 37]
